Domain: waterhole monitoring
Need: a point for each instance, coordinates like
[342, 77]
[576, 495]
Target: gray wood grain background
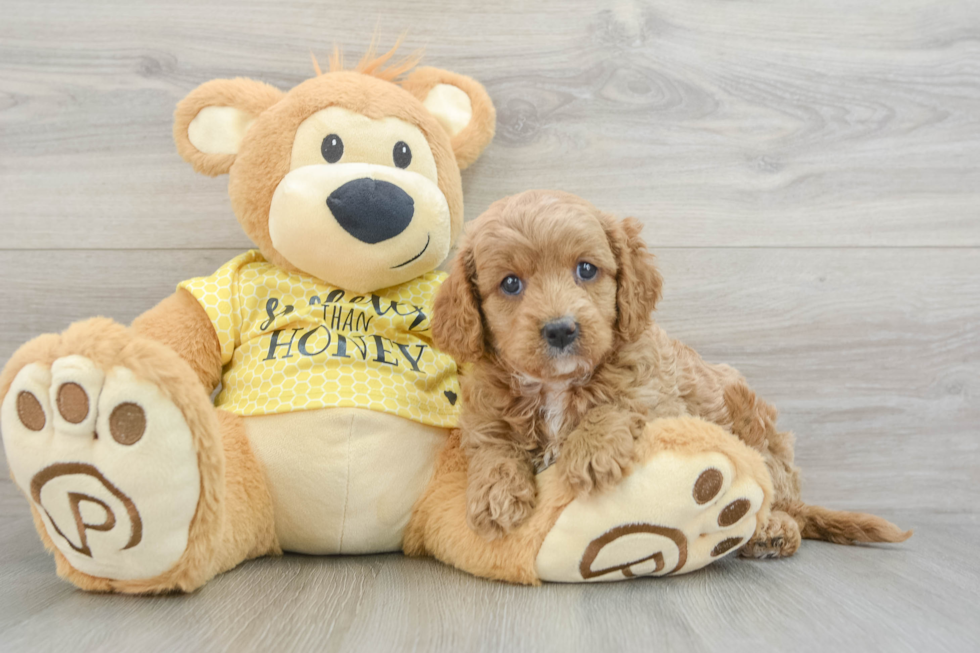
[809, 177]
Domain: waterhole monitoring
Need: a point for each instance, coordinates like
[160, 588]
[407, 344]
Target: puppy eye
[511, 285]
[586, 271]
[402, 154]
[332, 148]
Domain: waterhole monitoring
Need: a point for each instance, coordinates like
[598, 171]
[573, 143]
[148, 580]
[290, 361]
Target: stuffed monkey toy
[333, 429]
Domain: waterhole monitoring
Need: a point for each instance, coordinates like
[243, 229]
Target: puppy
[549, 299]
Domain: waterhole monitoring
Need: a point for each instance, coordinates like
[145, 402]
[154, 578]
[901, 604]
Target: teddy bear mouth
[428, 239]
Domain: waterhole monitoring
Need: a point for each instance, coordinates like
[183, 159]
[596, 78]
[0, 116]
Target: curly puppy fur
[527, 399]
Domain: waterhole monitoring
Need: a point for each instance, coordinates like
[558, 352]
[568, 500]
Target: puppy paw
[498, 507]
[779, 538]
[596, 460]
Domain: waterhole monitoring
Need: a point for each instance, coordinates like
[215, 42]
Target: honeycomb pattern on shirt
[290, 342]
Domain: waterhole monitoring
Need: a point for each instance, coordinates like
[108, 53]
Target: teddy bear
[334, 428]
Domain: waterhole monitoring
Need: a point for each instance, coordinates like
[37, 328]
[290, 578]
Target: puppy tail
[754, 422]
[841, 527]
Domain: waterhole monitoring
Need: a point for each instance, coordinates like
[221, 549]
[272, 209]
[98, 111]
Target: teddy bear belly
[343, 480]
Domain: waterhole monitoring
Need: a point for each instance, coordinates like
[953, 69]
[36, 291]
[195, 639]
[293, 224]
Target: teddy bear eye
[586, 271]
[402, 154]
[332, 148]
[511, 285]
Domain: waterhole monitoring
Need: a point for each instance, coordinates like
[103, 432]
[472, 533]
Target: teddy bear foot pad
[108, 462]
[675, 513]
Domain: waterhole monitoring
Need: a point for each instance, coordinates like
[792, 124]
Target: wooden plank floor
[919, 597]
[808, 175]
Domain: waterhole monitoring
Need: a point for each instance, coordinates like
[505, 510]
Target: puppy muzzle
[560, 334]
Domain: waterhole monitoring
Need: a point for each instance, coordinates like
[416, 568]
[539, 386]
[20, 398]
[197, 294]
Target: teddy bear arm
[180, 322]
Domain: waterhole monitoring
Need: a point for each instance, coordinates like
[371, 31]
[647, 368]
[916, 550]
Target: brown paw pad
[127, 423]
[725, 546]
[708, 485]
[733, 512]
[72, 403]
[29, 411]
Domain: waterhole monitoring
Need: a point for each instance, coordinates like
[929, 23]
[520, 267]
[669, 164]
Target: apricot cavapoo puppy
[549, 300]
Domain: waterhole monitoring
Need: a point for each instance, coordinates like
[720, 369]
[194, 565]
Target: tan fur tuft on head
[372, 63]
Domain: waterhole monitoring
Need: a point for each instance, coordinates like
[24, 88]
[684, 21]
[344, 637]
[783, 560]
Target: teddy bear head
[351, 177]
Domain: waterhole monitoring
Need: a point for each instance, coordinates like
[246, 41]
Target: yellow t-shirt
[290, 342]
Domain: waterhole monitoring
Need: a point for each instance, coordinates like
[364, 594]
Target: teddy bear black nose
[371, 210]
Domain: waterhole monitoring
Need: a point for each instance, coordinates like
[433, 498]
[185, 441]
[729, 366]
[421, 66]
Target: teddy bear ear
[460, 104]
[210, 123]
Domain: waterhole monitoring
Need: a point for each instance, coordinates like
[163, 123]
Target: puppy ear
[457, 323]
[461, 105]
[210, 123]
[638, 283]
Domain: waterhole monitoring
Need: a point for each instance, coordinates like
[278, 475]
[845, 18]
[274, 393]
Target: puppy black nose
[371, 210]
[560, 333]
